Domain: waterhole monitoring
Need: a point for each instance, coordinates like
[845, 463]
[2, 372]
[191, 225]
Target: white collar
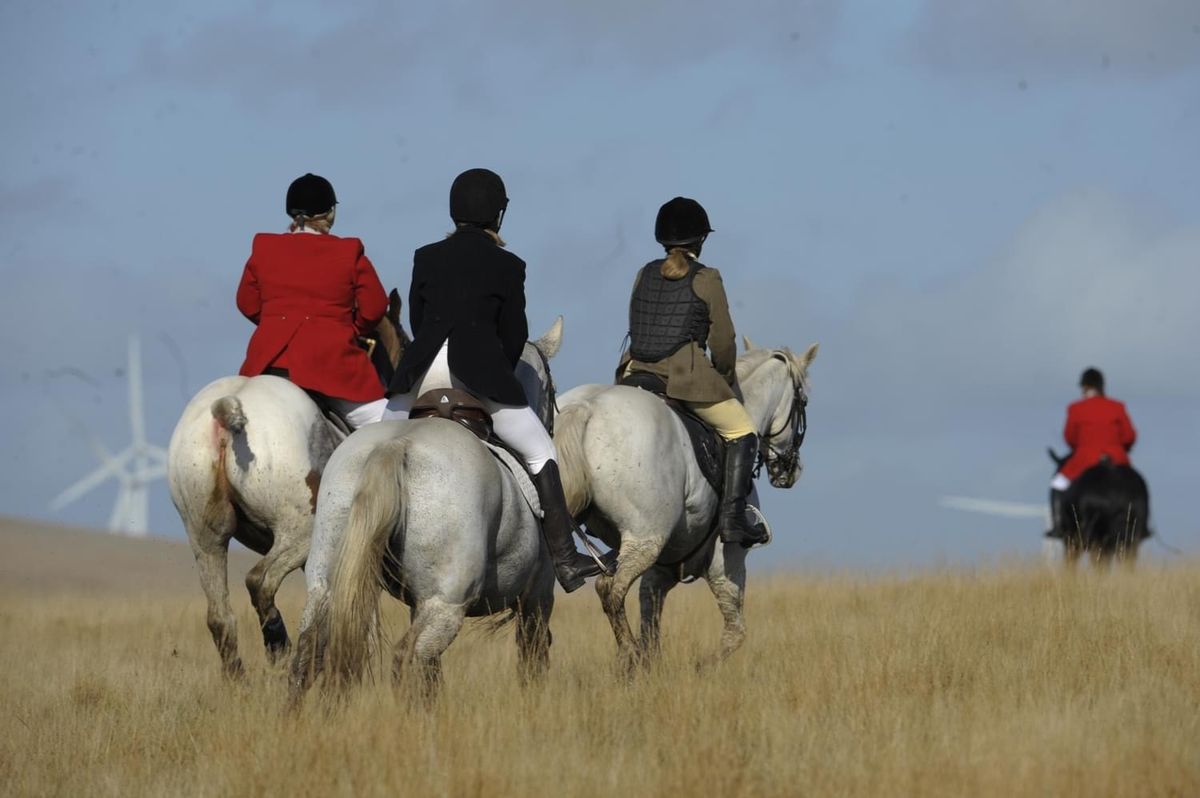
[308, 230]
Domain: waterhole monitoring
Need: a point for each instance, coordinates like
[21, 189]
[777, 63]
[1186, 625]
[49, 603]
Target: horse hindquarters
[201, 494]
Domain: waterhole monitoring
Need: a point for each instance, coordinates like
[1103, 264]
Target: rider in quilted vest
[1097, 428]
[681, 332]
[311, 295]
[467, 309]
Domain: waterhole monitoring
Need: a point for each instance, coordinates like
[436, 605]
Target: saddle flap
[453, 404]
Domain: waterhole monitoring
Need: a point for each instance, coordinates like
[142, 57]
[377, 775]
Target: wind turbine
[1052, 548]
[134, 467]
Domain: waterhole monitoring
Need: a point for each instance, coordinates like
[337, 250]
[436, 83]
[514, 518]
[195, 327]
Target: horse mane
[751, 360]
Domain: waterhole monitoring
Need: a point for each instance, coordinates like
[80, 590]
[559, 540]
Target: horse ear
[395, 305]
[809, 356]
[747, 344]
[550, 342]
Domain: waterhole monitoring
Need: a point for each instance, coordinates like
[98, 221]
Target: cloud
[44, 197]
[1138, 37]
[1087, 280]
[477, 48]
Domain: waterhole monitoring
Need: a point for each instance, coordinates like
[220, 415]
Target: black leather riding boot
[739, 463]
[1058, 507]
[571, 567]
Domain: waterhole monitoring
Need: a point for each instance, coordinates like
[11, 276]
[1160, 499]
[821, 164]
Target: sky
[966, 204]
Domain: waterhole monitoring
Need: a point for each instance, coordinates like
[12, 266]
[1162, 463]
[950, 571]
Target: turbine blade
[994, 507]
[100, 450]
[111, 468]
[152, 472]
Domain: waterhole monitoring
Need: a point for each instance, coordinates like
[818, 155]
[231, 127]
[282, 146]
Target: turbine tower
[134, 467]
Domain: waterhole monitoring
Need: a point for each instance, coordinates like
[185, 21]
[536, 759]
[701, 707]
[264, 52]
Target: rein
[779, 464]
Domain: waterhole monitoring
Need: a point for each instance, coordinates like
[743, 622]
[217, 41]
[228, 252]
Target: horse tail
[355, 583]
[570, 427]
[229, 414]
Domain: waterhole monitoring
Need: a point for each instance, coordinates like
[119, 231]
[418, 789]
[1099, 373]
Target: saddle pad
[523, 480]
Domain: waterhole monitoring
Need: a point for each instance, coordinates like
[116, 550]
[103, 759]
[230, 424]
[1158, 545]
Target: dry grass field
[1007, 681]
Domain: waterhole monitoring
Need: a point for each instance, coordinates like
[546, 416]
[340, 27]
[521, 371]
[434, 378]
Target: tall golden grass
[1005, 681]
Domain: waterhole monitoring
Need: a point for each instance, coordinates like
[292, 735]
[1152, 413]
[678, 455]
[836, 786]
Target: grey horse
[425, 511]
[244, 463]
[630, 475]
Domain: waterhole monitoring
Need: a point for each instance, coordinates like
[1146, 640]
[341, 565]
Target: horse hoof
[275, 638]
[234, 671]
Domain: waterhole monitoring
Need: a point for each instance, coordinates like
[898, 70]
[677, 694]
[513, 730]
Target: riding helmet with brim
[477, 196]
[310, 195]
[1092, 378]
[681, 221]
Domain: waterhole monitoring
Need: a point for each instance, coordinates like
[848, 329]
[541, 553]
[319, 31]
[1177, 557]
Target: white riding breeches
[1060, 482]
[358, 414]
[516, 425]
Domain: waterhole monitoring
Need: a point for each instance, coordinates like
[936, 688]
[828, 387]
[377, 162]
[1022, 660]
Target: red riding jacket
[311, 295]
[1096, 426]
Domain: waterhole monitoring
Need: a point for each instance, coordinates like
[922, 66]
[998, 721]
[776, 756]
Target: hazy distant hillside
[42, 557]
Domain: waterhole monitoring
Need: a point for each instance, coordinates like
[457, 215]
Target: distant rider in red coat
[1097, 428]
[312, 294]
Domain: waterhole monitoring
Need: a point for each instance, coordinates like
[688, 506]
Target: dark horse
[1107, 513]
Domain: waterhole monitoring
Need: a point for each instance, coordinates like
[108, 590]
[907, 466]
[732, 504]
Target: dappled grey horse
[244, 463]
[424, 510]
[630, 474]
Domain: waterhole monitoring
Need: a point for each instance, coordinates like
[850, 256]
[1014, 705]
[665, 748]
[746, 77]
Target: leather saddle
[453, 404]
[335, 419]
[707, 445]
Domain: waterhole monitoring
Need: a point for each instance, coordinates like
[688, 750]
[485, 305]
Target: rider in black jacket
[467, 309]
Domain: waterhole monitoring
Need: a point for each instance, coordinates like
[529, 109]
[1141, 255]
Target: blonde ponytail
[676, 265]
[322, 222]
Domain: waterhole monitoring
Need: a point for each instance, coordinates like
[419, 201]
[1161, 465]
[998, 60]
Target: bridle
[781, 463]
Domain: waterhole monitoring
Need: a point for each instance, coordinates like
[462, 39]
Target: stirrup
[607, 562]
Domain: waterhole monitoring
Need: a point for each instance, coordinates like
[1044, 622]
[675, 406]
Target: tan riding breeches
[728, 418]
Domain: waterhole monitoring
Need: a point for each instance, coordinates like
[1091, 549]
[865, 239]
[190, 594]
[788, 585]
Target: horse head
[533, 372]
[387, 342]
[787, 407]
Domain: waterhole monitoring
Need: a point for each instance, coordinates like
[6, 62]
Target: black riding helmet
[681, 221]
[309, 195]
[1092, 378]
[477, 196]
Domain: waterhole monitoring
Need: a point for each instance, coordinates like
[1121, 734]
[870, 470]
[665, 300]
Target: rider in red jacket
[311, 294]
[1097, 428]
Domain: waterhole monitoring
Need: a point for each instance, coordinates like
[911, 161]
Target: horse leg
[635, 558]
[652, 594]
[533, 634]
[726, 579]
[289, 553]
[212, 557]
[310, 648]
[435, 624]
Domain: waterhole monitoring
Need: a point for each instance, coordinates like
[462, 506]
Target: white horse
[424, 510]
[630, 474]
[245, 462]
